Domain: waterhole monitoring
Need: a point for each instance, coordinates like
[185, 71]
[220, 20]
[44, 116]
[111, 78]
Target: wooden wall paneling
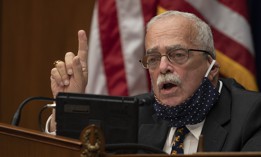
[34, 33]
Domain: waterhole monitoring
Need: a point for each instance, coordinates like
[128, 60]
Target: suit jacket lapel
[154, 134]
[213, 131]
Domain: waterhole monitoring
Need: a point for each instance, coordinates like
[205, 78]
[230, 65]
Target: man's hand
[71, 75]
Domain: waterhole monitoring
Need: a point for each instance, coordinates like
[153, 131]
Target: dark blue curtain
[255, 22]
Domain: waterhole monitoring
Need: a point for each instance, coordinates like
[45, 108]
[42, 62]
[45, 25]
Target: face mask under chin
[194, 109]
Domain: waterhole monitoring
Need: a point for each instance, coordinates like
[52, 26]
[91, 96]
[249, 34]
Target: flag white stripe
[226, 21]
[97, 79]
[131, 26]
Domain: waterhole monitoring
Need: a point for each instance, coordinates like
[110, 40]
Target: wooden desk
[17, 141]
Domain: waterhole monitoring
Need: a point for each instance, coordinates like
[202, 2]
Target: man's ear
[214, 72]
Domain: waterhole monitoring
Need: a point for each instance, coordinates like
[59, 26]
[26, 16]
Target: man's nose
[164, 63]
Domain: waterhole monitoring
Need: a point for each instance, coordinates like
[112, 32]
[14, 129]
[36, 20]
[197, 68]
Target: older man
[190, 100]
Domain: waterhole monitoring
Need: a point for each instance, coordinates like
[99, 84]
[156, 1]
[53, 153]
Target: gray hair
[203, 37]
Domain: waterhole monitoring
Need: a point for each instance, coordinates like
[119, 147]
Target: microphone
[143, 99]
[17, 115]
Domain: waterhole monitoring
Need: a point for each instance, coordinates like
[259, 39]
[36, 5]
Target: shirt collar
[196, 129]
[220, 86]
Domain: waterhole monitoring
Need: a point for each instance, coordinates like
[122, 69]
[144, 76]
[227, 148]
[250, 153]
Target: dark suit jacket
[233, 124]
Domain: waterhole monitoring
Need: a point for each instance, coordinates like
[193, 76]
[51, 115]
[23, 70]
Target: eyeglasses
[179, 56]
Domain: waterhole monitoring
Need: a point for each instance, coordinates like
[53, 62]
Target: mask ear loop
[210, 67]
[208, 71]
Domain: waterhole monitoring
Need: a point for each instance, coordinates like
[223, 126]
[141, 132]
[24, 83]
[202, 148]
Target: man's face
[162, 36]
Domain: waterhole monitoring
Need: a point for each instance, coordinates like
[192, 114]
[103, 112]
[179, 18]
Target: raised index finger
[83, 48]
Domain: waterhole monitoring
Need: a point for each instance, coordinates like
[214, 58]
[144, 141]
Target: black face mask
[191, 111]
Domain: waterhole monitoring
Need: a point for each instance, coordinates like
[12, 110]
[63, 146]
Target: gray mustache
[169, 77]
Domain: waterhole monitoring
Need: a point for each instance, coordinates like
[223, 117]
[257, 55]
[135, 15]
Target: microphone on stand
[144, 100]
[17, 115]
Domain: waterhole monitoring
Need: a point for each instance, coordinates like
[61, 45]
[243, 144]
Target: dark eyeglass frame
[145, 64]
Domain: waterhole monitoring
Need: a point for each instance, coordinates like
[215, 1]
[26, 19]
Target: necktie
[179, 136]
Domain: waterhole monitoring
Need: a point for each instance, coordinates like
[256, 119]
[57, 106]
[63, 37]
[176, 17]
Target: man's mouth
[168, 83]
[167, 86]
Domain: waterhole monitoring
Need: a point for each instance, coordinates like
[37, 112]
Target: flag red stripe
[231, 51]
[149, 9]
[239, 7]
[111, 48]
[175, 5]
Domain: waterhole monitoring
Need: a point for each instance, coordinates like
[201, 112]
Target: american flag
[117, 41]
